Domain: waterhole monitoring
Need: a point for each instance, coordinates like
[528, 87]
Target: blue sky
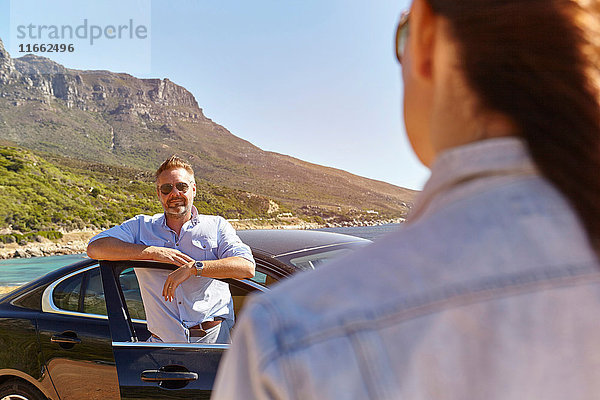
[314, 79]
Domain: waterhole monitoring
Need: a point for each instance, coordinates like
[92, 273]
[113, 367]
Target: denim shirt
[198, 299]
[490, 291]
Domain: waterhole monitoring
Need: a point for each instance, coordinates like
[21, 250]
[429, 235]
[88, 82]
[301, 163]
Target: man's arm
[230, 267]
[113, 249]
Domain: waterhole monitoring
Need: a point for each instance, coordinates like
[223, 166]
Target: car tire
[15, 389]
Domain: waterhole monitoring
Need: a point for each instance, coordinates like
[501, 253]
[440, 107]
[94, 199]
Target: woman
[492, 290]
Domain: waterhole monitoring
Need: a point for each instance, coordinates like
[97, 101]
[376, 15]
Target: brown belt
[200, 329]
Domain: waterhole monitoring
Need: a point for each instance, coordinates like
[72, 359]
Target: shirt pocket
[208, 246]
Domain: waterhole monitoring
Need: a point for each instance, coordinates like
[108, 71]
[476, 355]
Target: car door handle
[65, 339]
[153, 375]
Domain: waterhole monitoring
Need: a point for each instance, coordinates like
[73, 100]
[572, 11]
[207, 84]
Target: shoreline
[6, 289]
[71, 243]
[75, 242]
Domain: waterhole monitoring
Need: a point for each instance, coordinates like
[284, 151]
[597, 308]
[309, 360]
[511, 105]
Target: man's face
[176, 204]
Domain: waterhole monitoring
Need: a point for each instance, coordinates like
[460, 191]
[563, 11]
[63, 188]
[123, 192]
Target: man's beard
[177, 211]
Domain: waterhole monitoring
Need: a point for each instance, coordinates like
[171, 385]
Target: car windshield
[313, 258]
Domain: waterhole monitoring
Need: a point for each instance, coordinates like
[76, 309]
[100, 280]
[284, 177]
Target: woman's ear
[422, 39]
[418, 75]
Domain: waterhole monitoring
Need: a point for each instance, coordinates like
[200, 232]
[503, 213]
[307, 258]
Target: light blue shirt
[490, 291]
[198, 299]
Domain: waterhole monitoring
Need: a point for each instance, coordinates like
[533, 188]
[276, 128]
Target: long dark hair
[537, 62]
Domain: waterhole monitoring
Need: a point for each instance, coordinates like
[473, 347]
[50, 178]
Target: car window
[130, 288]
[82, 292]
[131, 292]
[263, 279]
[31, 300]
[93, 299]
[239, 294]
[135, 305]
[69, 296]
[67, 293]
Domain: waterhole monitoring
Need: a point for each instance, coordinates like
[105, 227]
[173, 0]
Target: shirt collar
[506, 156]
[194, 218]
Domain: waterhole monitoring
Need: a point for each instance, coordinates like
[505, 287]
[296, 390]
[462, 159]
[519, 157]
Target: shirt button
[179, 302]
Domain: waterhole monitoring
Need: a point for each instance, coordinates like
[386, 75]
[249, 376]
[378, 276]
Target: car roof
[278, 242]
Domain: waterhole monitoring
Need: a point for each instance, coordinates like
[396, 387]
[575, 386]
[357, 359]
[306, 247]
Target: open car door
[158, 370]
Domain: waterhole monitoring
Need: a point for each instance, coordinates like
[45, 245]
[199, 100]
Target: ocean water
[17, 271]
[365, 232]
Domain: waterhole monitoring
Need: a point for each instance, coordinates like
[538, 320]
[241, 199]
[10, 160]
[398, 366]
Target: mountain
[107, 118]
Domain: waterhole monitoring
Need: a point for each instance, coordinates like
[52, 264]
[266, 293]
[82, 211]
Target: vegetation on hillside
[40, 194]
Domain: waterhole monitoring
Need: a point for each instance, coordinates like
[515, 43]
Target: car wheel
[18, 390]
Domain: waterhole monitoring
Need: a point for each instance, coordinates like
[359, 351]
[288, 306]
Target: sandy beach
[6, 289]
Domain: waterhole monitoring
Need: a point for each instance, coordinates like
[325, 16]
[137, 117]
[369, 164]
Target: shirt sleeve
[230, 245]
[128, 231]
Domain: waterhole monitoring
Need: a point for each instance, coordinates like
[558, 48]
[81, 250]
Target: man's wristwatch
[199, 267]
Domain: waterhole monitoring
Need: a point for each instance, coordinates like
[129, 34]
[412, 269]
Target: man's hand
[166, 255]
[230, 267]
[113, 249]
[176, 278]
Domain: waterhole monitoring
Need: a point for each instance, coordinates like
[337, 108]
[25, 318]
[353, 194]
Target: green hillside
[48, 193]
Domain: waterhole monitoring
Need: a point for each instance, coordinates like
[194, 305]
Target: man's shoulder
[130, 230]
[146, 219]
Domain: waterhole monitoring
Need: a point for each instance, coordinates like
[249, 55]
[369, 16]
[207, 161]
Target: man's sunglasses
[402, 35]
[167, 188]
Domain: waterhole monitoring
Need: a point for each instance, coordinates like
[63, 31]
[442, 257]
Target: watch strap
[199, 265]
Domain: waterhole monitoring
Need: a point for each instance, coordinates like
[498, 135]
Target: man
[188, 304]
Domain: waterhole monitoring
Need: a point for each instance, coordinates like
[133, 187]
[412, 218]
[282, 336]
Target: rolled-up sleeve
[230, 245]
[128, 231]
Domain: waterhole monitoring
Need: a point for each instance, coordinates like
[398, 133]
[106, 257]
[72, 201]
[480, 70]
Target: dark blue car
[80, 332]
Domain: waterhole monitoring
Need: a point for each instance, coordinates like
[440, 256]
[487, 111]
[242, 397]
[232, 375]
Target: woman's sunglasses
[167, 188]
[402, 35]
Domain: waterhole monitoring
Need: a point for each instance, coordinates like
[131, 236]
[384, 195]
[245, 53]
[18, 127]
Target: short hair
[171, 163]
